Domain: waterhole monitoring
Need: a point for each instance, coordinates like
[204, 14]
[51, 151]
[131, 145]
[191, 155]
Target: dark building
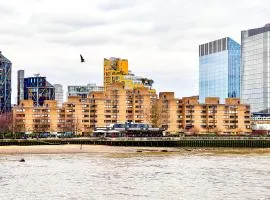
[38, 89]
[20, 81]
[5, 84]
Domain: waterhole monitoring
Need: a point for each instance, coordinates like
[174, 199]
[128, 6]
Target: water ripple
[101, 176]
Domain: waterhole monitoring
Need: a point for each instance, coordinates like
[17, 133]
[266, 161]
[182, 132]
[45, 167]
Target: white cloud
[160, 38]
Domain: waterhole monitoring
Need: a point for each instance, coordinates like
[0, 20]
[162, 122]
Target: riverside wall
[239, 142]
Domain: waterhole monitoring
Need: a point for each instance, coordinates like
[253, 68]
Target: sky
[159, 38]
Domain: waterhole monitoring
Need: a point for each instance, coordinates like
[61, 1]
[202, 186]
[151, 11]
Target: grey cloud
[116, 5]
[152, 34]
[171, 38]
[65, 23]
[6, 10]
[137, 29]
[8, 40]
[78, 22]
[59, 23]
[55, 29]
[83, 40]
[17, 31]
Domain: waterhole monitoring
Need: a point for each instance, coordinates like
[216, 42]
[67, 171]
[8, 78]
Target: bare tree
[77, 128]
[156, 115]
[69, 125]
[217, 131]
[238, 131]
[194, 130]
[6, 124]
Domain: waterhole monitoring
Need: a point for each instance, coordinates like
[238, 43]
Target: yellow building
[187, 115]
[31, 118]
[116, 70]
[81, 116]
[118, 105]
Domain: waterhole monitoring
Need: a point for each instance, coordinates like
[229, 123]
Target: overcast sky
[159, 38]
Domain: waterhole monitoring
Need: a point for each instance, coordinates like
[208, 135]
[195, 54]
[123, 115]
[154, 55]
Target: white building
[255, 68]
[59, 94]
[83, 90]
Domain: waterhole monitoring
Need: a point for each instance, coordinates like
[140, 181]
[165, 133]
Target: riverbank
[162, 142]
[73, 149]
[65, 149]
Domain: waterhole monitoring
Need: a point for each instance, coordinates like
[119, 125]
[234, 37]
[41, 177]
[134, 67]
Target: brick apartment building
[120, 105]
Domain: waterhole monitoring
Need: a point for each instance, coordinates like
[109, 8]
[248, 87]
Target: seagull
[82, 59]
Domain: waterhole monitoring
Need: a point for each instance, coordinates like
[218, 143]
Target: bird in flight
[82, 59]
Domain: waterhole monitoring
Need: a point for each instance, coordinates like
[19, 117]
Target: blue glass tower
[219, 71]
[5, 84]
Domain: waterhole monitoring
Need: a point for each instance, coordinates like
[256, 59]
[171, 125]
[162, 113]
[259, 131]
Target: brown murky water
[135, 176]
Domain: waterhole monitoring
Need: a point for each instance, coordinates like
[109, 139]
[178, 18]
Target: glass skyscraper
[255, 68]
[5, 84]
[59, 94]
[219, 69]
[83, 90]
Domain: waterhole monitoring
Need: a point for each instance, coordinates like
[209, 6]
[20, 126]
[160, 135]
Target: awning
[99, 131]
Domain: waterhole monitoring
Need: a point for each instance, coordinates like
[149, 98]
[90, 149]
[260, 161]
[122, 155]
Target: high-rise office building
[83, 90]
[20, 86]
[59, 94]
[5, 84]
[38, 89]
[255, 68]
[219, 69]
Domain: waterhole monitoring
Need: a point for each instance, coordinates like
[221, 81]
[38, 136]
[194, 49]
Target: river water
[135, 176]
